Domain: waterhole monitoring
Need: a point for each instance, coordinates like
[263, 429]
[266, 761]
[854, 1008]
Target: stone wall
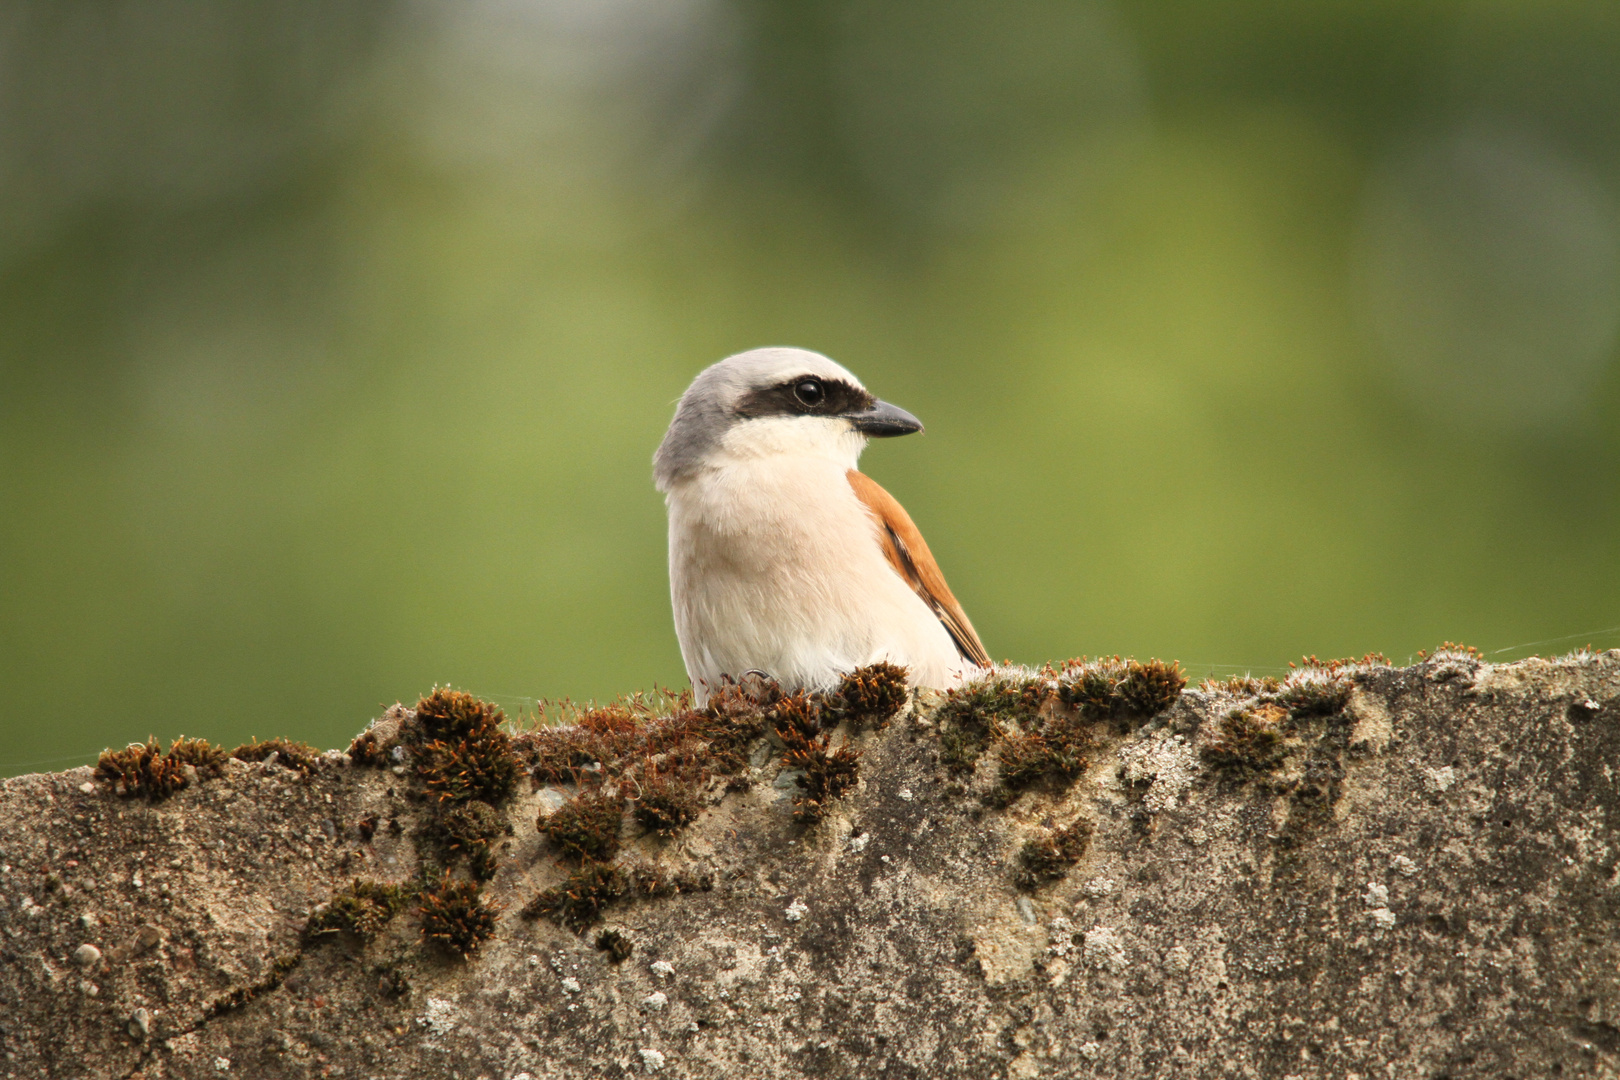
[1419, 880]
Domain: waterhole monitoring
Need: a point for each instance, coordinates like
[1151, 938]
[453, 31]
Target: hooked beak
[884, 421]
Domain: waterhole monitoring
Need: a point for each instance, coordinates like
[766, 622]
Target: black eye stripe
[838, 398]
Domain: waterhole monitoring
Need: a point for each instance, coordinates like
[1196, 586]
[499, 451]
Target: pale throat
[822, 438]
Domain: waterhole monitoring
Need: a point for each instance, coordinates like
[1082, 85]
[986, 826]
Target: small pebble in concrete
[570, 985]
[652, 1059]
[796, 911]
[858, 843]
[1097, 888]
[905, 794]
[1404, 866]
[88, 788]
[87, 955]
[663, 968]
[140, 1024]
[655, 1001]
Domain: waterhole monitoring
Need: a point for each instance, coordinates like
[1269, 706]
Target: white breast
[775, 566]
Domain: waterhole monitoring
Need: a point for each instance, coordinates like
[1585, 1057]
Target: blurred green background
[335, 339]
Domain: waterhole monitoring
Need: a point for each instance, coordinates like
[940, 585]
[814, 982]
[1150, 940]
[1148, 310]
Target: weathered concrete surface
[1444, 905]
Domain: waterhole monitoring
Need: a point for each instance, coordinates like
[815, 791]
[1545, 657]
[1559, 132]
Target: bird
[784, 559]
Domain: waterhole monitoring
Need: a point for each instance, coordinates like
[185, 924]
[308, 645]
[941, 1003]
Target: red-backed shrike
[783, 558]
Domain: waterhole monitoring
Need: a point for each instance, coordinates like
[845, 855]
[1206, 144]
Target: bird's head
[774, 401]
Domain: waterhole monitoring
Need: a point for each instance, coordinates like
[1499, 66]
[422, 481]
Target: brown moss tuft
[827, 773]
[1446, 647]
[616, 945]
[1250, 742]
[1241, 685]
[656, 882]
[668, 801]
[1089, 687]
[1049, 857]
[294, 755]
[1055, 750]
[975, 712]
[870, 696]
[796, 713]
[587, 826]
[230, 1002]
[606, 743]
[728, 731]
[1316, 688]
[363, 909]
[470, 829]
[460, 751]
[200, 754]
[456, 918]
[578, 902]
[569, 755]
[144, 769]
[1150, 688]
[1119, 689]
[368, 750]
[451, 714]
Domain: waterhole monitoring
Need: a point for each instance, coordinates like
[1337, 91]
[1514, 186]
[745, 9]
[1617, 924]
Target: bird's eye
[810, 393]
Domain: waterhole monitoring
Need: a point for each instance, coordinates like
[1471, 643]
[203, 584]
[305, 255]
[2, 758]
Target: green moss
[455, 917]
[1322, 687]
[1048, 857]
[1119, 689]
[974, 713]
[1249, 742]
[1150, 688]
[1055, 750]
[1315, 695]
[363, 909]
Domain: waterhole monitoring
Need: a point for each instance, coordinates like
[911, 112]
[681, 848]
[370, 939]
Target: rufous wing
[908, 553]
